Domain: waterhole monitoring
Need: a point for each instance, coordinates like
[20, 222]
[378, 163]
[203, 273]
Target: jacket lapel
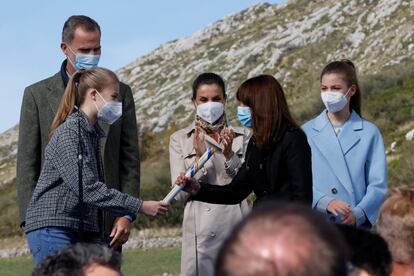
[188, 143]
[349, 137]
[326, 141]
[56, 89]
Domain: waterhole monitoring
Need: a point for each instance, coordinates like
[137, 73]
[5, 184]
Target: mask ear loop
[349, 89]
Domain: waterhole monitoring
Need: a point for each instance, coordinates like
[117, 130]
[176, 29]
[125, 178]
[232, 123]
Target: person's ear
[92, 93]
[64, 48]
[353, 90]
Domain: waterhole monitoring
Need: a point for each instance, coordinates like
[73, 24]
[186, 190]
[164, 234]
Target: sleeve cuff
[231, 166]
[182, 196]
[359, 215]
[322, 205]
[140, 202]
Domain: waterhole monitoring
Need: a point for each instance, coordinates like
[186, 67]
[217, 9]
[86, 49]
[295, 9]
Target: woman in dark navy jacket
[278, 158]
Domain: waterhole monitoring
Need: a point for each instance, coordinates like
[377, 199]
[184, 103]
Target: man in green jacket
[81, 45]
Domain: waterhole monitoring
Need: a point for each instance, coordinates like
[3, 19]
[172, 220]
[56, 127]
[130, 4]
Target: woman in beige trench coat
[206, 225]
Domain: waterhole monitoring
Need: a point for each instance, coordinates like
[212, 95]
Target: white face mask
[334, 101]
[210, 111]
[110, 111]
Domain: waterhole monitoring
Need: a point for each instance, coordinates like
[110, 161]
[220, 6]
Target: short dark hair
[315, 244]
[75, 258]
[368, 250]
[76, 21]
[208, 78]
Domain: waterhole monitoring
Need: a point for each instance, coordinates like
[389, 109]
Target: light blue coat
[351, 167]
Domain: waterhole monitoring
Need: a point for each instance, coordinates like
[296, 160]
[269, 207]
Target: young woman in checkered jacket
[62, 211]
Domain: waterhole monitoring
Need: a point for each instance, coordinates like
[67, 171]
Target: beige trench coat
[206, 225]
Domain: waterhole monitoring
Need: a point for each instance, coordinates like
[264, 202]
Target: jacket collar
[237, 130]
[85, 124]
[348, 137]
[64, 73]
[322, 120]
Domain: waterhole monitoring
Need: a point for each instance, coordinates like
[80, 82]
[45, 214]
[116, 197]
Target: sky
[30, 33]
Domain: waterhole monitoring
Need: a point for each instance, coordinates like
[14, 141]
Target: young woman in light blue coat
[348, 157]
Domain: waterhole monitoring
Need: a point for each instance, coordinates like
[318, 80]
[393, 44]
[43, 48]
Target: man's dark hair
[283, 239]
[75, 258]
[76, 21]
[368, 250]
[208, 78]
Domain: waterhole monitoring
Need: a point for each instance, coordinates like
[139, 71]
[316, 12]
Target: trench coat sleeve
[232, 193]
[321, 201]
[376, 175]
[29, 152]
[129, 173]
[177, 165]
[299, 167]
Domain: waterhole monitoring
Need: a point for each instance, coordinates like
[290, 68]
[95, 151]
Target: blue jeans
[45, 241]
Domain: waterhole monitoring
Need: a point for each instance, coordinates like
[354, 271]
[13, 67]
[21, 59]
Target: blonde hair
[75, 93]
[396, 224]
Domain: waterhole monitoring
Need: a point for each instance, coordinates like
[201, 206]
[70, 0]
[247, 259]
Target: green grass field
[135, 262]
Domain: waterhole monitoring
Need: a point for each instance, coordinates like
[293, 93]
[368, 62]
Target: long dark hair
[75, 92]
[265, 96]
[346, 68]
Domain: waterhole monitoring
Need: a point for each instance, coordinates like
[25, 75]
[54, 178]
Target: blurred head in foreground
[396, 226]
[283, 239]
[81, 260]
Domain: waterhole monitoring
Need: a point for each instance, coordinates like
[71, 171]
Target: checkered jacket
[55, 201]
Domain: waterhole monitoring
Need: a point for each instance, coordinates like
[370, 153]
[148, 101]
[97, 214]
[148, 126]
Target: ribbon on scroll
[194, 168]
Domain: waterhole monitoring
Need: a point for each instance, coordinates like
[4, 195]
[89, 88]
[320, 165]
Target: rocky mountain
[291, 41]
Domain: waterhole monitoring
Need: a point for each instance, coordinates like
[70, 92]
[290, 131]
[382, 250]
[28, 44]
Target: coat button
[208, 209]
[212, 234]
[334, 191]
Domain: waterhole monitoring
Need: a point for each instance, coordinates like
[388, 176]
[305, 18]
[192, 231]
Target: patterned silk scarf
[211, 129]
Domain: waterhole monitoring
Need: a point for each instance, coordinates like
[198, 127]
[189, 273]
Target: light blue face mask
[245, 116]
[84, 61]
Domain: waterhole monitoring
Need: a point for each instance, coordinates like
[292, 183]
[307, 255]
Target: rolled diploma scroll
[195, 167]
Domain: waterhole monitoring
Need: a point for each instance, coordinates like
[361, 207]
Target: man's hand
[120, 232]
